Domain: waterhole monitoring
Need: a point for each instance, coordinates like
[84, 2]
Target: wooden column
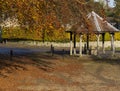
[112, 43]
[0, 34]
[103, 42]
[71, 43]
[87, 42]
[80, 45]
[74, 43]
[98, 39]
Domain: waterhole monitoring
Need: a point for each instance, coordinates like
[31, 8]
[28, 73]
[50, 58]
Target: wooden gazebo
[100, 27]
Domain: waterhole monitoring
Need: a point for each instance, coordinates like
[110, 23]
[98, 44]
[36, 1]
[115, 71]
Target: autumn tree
[44, 17]
[116, 14]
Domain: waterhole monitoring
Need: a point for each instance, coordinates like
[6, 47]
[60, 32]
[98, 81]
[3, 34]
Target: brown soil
[44, 72]
[36, 69]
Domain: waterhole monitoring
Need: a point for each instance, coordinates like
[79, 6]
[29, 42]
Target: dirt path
[38, 70]
[43, 72]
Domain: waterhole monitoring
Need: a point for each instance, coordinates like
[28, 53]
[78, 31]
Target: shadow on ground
[42, 61]
[107, 58]
[45, 61]
[8, 66]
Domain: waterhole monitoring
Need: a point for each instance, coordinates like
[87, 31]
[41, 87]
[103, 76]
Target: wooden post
[98, 39]
[74, 43]
[112, 43]
[11, 55]
[52, 50]
[103, 42]
[70, 43]
[63, 53]
[0, 34]
[87, 42]
[80, 45]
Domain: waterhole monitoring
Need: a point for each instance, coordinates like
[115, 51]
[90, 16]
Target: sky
[111, 3]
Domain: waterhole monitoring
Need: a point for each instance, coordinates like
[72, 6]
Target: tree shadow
[107, 58]
[43, 61]
[19, 62]
[7, 66]
[61, 52]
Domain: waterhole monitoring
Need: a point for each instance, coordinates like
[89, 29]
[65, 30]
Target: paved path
[20, 49]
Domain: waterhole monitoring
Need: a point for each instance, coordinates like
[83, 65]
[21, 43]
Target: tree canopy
[46, 16]
[40, 12]
[116, 14]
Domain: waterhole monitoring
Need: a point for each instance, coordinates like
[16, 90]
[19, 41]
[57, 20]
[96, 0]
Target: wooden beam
[98, 39]
[70, 43]
[103, 42]
[74, 43]
[80, 45]
[112, 43]
[87, 42]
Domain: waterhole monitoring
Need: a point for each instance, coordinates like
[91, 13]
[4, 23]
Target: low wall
[93, 44]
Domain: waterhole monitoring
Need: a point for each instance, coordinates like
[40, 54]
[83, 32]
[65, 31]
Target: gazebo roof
[99, 25]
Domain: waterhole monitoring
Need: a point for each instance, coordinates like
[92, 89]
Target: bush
[58, 35]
